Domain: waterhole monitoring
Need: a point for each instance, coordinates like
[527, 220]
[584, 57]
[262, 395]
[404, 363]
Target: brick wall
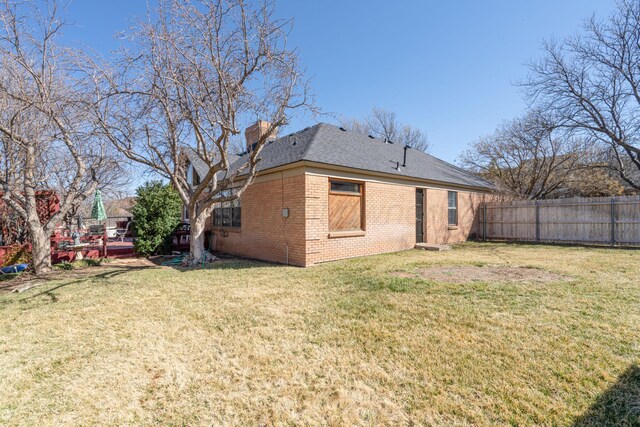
[389, 220]
[437, 221]
[265, 234]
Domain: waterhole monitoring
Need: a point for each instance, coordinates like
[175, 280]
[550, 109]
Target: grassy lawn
[370, 341]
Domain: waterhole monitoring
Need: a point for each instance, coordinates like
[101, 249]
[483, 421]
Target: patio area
[114, 249]
[98, 239]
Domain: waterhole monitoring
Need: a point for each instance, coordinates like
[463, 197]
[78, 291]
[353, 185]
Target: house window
[345, 187]
[345, 206]
[186, 214]
[453, 207]
[227, 214]
[195, 177]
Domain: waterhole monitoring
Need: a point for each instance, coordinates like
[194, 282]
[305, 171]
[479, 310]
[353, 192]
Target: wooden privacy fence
[596, 220]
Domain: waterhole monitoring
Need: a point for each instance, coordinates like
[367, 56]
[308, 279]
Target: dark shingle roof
[328, 144]
[198, 164]
[201, 166]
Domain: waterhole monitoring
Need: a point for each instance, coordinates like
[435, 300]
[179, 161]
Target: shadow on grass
[224, 262]
[617, 406]
[108, 274]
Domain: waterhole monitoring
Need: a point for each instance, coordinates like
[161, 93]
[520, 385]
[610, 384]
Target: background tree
[156, 213]
[46, 130]
[591, 181]
[591, 83]
[195, 74]
[384, 124]
[525, 158]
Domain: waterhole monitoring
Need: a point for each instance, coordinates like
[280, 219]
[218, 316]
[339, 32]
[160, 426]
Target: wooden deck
[115, 249]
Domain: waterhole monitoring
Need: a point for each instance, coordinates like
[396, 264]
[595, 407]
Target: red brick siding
[265, 234]
[389, 221]
[437, 220]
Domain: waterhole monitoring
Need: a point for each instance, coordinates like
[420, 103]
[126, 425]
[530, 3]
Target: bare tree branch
[531, 158]
[194, 75]
[47, 132]
[592, 84]
[385, 125]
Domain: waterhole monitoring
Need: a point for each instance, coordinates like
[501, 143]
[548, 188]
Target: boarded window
[345, 206]
[453, 207]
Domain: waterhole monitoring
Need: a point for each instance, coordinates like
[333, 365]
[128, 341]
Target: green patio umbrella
[98, 212]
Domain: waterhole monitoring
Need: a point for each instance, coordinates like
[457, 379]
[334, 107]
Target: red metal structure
[13, 228]
[14, 236]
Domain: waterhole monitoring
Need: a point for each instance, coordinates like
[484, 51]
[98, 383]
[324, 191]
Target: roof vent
[295, 142]
[342, 129]
[404, 162]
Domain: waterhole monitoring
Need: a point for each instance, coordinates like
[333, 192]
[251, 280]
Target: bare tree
[525, 159]
[194, 74]
[591, 180]
[592, 83]
[385, 125]
[46, 131]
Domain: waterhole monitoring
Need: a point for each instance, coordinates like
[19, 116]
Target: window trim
[361, 195]
[346, 193]
[230, 208]
[450, 208]
[230, 213]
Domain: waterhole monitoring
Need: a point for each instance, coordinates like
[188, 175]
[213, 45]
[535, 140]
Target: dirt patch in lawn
[466, 274]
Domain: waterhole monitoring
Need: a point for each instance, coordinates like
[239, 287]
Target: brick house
[325, 193]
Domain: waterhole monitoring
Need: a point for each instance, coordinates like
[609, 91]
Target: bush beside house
[156, 214]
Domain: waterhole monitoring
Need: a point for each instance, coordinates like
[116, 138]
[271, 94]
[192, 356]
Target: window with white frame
[453, 207]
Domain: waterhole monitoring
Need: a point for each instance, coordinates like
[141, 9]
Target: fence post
[613, 221]
[537, 221]
[484, 222]
[105, 239]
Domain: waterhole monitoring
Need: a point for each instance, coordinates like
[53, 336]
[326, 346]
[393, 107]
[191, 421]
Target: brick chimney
[254, 132]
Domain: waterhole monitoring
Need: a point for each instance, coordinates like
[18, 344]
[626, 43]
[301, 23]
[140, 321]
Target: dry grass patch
[247, 343]
[471, 273]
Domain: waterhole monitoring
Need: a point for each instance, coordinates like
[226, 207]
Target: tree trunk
[41, 250]
[196, 239]
[197, 252]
